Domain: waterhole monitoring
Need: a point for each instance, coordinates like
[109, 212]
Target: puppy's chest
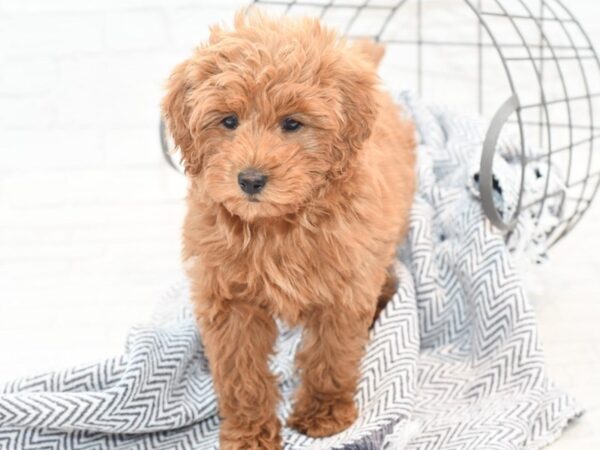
[283, 264]
[288, 273]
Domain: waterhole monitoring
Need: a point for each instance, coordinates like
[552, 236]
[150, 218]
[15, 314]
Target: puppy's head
[270, 112]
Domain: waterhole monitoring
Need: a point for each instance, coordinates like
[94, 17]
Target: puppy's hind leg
[388, 290]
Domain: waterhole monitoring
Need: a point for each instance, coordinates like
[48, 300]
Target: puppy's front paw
[249, 444]
[320, 418]
[265, 437]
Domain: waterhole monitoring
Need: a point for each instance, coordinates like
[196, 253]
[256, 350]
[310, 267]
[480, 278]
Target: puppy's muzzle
[252, 181]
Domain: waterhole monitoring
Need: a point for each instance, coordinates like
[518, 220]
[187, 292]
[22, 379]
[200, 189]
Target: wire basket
[533, 73]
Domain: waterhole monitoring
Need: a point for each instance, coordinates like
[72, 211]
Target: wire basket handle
[486, 176]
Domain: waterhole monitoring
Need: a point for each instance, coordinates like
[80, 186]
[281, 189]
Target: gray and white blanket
[454, 361]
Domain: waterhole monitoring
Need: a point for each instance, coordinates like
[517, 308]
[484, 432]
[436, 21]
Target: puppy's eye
[230, 122]
[289, 124]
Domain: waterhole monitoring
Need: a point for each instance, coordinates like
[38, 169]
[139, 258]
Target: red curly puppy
[301, 179]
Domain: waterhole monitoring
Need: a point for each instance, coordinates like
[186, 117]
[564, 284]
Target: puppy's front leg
[239, 338]
[329, 361]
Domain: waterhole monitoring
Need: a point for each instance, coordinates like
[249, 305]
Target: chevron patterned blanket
[454, 361]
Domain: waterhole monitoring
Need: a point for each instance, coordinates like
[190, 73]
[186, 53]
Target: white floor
[85, 254]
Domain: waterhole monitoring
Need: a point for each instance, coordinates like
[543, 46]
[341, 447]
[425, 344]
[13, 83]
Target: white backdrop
[90, 214]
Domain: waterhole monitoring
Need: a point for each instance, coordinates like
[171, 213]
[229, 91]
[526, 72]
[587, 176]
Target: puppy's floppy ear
[357, 84]
[359, 108]
[177, 113]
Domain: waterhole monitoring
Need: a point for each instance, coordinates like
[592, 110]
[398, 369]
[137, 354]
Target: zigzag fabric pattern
[454, 361]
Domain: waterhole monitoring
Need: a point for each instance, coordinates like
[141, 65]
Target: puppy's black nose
[251, 181]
